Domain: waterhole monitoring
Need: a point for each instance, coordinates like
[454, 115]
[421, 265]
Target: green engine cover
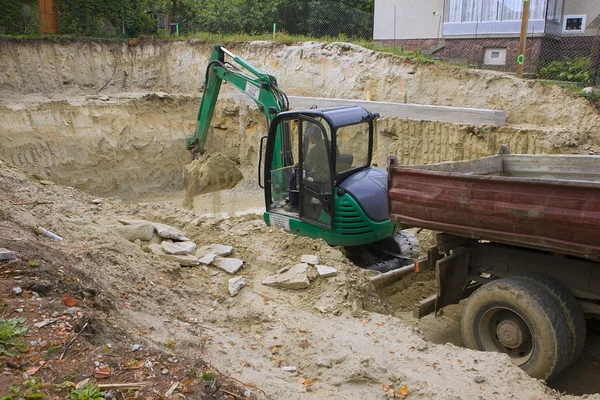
[351, 226]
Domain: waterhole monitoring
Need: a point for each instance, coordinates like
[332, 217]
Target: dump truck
[519, 240]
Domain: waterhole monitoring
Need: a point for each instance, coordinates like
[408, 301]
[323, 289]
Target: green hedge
[19, 17]
[577, 69]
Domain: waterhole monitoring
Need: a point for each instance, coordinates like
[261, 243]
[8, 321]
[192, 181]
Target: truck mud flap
[451, 279]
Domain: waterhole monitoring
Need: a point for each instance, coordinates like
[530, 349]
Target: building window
[574, 24]
[493, 10]
[555, 9]
[494, 57]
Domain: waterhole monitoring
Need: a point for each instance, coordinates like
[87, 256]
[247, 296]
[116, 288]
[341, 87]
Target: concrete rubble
[293, 278]
[309, 259]
[236, 284]
[216, 249]
[7, 254]
[178, 248]
[325, 272]
[229, 265]
[133, 232]
[183, 260]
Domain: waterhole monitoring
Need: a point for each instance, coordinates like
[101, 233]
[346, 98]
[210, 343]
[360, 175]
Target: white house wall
[413, 19]
[590, 8]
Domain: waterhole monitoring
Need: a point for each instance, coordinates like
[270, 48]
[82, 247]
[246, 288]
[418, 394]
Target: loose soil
[186, 314]
[129, 142]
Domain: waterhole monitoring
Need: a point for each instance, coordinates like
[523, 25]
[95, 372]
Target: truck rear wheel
[518, 318]
[570, 308]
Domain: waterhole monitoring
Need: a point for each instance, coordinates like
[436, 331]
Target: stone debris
[44, 323]
[289, 368]
[7, 254]
[294, 278]
[134, 232]
[323, 362]
[236, 284]
[17, 291]
[479, 378]
[178, 248]
[97, 201]
[309, 259]
[136, 347]
[163, 230]
[184, 261]
[229, 265]
[325, 271]
[72, 310]
[168, 232]
[208, 259]
[216, 249]
[47, 183]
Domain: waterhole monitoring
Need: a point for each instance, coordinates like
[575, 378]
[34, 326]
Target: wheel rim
[503, 330]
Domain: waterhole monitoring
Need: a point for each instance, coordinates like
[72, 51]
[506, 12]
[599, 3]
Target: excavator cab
[318, 178]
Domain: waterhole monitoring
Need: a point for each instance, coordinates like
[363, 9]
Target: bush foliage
[130, 18]
[578, 69]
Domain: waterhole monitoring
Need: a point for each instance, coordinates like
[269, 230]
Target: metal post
[523, 38]
[394, 26]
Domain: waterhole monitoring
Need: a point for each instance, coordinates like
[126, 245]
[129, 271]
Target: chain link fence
[325, 19]
[572, 59]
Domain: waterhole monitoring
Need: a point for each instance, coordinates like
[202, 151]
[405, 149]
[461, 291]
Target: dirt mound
[211, 173]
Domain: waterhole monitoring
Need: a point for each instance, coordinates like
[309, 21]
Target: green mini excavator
[316, 171]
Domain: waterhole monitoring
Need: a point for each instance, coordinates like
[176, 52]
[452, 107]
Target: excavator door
[299, 186]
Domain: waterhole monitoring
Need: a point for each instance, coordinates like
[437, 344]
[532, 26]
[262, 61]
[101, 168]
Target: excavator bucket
[210, 173]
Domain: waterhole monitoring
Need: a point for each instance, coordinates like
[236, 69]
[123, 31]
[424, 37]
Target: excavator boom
[260, 87]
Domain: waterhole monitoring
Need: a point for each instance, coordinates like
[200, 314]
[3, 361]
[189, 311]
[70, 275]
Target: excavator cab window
[303, 186]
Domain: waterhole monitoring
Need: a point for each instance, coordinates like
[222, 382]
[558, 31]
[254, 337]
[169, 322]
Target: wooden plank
[424, 307]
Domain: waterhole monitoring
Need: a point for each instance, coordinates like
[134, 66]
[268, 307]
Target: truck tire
[570, 308]
[517, 317]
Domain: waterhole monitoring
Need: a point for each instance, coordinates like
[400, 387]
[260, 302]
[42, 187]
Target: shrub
[577, 69]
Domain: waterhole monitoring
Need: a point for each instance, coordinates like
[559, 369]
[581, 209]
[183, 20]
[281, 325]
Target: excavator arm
[260, 87]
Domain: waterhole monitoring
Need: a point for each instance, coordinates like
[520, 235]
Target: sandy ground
[251, 336]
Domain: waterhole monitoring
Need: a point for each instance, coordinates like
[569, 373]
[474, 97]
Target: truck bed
[549, 203]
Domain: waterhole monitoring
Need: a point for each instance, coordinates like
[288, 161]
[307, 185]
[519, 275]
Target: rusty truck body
[520, 240]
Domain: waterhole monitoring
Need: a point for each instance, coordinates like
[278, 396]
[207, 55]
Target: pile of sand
[211, 173]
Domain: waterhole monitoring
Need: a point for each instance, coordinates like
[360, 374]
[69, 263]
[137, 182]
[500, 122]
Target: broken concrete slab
[236, 284]
[163, 230]
[44, 323]
[325, 272]
[6, 254]
[208, 259]
[216, 249]
[229, 265]
[309, 259]
[135, 232]
[178, 248]
[183, 260]
[294, 278]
